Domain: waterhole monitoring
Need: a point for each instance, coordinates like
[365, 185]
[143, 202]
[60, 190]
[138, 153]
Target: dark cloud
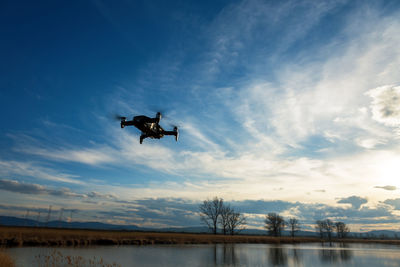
[181, 212]
[355, 201]
[167, 211]
[387, 187]
[395, 203]
[35, 189]
[262, 206]
[177, 212]
[95, 194]
[15, 186]
[385, 104]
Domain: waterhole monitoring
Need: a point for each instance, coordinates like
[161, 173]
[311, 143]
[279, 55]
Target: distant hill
[15, 221]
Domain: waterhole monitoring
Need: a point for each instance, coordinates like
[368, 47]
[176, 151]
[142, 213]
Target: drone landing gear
[142, 137]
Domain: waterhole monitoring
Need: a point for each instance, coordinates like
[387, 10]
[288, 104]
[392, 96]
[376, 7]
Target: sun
[389, 171]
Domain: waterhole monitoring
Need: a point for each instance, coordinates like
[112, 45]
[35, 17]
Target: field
[27, 236]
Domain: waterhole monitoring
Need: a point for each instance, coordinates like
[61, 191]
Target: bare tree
[294, 226]
[342, 229]
[226, 213]
[274, 224]
[319, 226]
[329, 226]
[210, 211]
[325, 226]
[236, 222]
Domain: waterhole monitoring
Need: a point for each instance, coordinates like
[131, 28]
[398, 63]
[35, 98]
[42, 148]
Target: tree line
[216, 214]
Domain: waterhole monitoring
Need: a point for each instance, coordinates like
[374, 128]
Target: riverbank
[32, 236]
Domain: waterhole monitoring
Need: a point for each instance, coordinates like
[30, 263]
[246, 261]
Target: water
[216, 255]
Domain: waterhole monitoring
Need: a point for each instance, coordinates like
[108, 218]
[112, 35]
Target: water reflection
[230, 255]
[296, 256]
[277, 256]
[335, 253]
[225, 255]
[220, 255]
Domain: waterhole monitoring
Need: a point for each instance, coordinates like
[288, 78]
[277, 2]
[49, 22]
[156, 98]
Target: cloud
[301, 125]
[355, 201]
[320, 190]
[88, 156]
[385, 104]
[15, 186]
[387, 187]
[26, 168]
[36, 189]
[95, 194]
[393, 202]
[180, 212]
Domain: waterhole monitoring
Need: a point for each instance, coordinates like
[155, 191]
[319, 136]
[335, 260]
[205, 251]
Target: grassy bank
[26, 236]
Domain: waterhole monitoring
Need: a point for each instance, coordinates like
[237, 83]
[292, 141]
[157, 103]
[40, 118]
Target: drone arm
[127, 123]
[175, 132]
[169, 133]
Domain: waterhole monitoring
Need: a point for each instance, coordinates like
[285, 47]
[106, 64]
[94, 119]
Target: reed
[6, 260]
[26, 236]
[56, 258]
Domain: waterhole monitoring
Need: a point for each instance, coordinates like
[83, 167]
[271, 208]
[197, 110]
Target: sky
[283, 106]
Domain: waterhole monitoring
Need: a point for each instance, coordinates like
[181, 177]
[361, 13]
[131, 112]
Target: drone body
[150, 127]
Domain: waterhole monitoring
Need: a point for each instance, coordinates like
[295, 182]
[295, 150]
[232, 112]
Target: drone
[150, 127]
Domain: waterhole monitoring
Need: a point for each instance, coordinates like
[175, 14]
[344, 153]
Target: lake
[315, 254]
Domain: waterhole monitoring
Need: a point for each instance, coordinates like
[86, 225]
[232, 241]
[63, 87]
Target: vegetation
[30, 236]
[294, 226]
[236, 222]
[6, 260]
[274, 224]
[214, 212]
[56, 258]
[320, 228]
[342, 229]
[33, 236]
[210, 211]
[326, 228]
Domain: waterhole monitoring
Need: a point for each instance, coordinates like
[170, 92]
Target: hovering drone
[150, 127]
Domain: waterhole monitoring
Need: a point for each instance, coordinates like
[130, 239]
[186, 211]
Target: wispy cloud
[97, 156]
[268, 108]
[12, 168]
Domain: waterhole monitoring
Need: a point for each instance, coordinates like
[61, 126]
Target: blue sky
[283, 106]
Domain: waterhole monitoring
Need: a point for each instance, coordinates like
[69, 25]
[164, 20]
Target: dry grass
[6, 260]
[26, 236]
[56, 258]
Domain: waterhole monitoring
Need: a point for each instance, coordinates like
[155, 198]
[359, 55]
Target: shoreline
[56, 237]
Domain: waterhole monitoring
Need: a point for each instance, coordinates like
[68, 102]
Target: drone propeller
[163, 111]
[174, 125]
[119, 117]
